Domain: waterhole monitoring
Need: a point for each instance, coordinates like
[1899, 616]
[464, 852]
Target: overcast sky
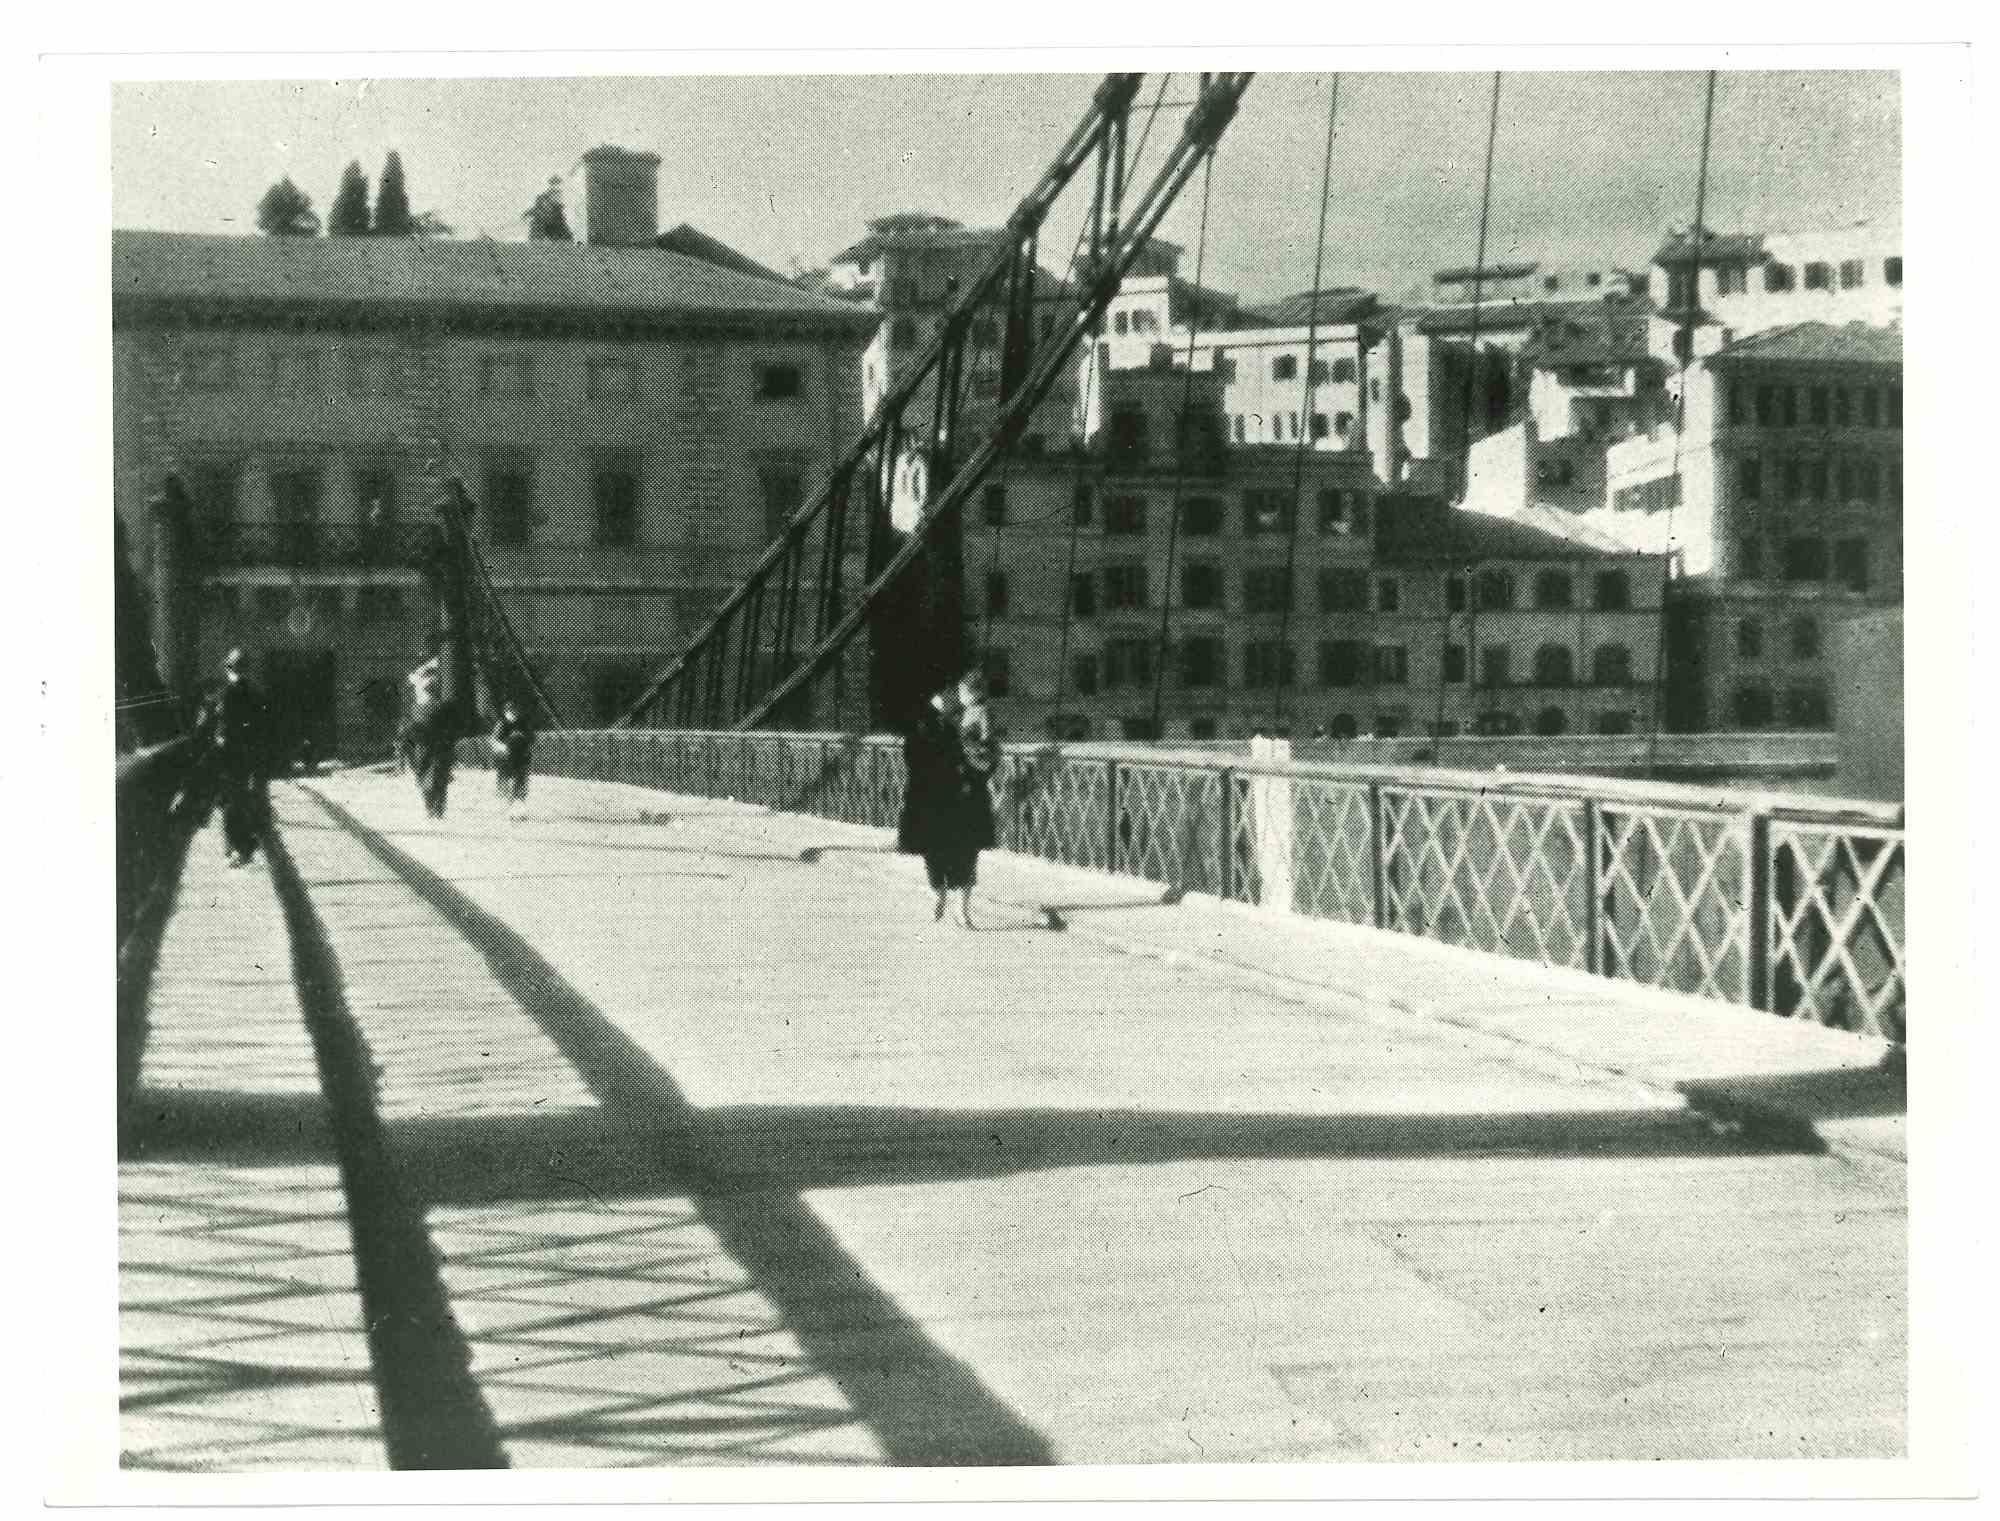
[1588, 166]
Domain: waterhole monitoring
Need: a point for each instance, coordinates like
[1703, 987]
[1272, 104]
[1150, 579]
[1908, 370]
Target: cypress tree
[392, 201]
[348, 217]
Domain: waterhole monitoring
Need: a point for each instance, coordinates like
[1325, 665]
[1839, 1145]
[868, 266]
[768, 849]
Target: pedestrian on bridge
[238, 736]
[949, 750]
[513, 744]
[430, 738]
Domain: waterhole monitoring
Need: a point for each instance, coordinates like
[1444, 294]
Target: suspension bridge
[1272, 1111]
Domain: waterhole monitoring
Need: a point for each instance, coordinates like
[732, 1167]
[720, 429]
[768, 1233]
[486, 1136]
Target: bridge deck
[653, 1130]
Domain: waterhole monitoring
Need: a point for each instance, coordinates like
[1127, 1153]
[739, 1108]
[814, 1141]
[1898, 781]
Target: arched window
[1496, 590]
[1752, 708]
[1553, 666]
[1552, 589]
[1614, 591]
[1611, 666]
[1551, 720]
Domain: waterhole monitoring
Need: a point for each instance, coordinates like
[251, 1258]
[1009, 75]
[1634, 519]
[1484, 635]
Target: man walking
[239, 759]
[513, 748]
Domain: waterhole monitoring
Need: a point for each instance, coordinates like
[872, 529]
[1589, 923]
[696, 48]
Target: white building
[1751, 282]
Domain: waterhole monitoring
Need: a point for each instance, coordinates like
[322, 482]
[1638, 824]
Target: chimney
[621, 198]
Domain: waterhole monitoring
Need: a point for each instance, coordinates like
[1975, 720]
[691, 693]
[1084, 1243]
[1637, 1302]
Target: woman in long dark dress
[935, 821]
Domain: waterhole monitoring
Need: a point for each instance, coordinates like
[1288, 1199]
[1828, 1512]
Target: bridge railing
[151, 832]
[1780, 902]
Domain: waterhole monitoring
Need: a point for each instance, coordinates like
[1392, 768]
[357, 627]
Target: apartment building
[631, 423]
[1751, 282]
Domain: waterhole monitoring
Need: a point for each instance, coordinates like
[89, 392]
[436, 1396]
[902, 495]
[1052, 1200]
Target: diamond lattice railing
[1673, 893]
[1333, 875]
[1169, 825]
[1504, 874]
[1059, 809]
[1837, 922]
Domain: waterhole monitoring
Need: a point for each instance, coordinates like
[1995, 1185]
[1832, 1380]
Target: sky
[1588, 167]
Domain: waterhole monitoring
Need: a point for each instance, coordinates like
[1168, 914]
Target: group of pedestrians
[951, 747]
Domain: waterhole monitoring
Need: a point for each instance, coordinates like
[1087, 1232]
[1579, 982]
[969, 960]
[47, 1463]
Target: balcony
[315, 546]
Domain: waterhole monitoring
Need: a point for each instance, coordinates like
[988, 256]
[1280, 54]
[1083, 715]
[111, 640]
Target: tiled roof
[1415, 531]
[695, 244]
[1850, 343]
[1716, 248]
[1343, 305]
[917, 237]
[474, 276]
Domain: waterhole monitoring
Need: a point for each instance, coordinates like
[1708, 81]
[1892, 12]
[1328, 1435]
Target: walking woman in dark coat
[947, 813]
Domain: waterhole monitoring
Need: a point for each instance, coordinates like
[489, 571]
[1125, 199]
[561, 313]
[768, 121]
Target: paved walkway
[668, 1131]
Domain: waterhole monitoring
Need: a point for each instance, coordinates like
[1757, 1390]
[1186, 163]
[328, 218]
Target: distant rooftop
[1849, 343]
[1343, 304]
[691, 241]
[1716, 248]
[1419, 530]
[184, 272]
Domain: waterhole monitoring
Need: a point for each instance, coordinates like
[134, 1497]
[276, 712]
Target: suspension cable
[1685, 356]
[1470, 569]
[1181, 436]
[1303, 441]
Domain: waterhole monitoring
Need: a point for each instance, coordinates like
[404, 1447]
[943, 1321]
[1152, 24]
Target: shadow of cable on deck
[922, 1405]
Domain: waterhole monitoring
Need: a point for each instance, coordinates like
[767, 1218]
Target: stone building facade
[631, 425]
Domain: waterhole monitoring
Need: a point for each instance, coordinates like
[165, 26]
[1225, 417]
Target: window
[1121, 323]
[1238, 426]
[1201, 585]
[1892, 271]
[1124, 587]
[1851, 275]
[1083, 595]
[295, 500]
[507, 375]
[213, 486]
[1267, 511]
[1805, 638]
[510, 501]
[1388, 595]
[1819, 275]
[1788, 397]
[1611, 666]
[1895, 406]
[1343, 423]
[1285, 367]
[1266, 589]
[1343, 591]
[1552, 589]
[1817, 480]
[1842, 407]
[1392, 665]
[1551, 720]
[1340, 662]
[1869, 486]
[1779, 277]
[1267, 664]
[1453, 664]
[1496, 591]
[1316, 372]
[994, 506]
[1752, 707]
[1495, 665]
[1320, 426]
[1767, 406]
[1554, 666]
[1805, 559]
[999, 668]
[1749, 639]
[1083, 503]
[1342, 512]
[1750, 479]
[1201, 728]
[1737, 407]
[1128, 663]
[1225, 371]
[614, 491]
[996, 594]
[1201, 517]
[1844, 481]
[1613, 591]
[1201, 662]
[378, 604]
[1616, 721]
[1806, 707]
[1454, 594]
[1130, 442]
[1731, 280]
[1871, 407]
[1083, 674]
[1125, 515]
[1794, 480]
[297, 372]
[784, 488]
[1343, 370]
[611, 379]
[1850, 563]
[207, 367]
[375, 508]
[1145, 321]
